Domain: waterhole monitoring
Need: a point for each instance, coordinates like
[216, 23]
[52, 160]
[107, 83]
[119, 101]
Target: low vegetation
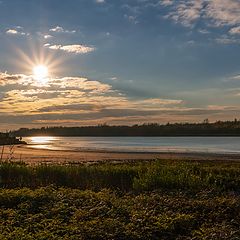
[151, 200]
[127, 177]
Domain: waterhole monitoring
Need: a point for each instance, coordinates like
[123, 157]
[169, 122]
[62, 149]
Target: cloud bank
[78, 100]
[71, 100]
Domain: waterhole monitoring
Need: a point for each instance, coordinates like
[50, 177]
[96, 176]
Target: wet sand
[37, 156]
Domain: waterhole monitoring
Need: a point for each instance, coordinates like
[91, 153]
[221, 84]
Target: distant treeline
[219, 128]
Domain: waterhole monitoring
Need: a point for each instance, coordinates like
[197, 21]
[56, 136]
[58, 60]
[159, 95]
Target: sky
[118, 62]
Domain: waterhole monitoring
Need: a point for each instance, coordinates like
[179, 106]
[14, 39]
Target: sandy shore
[36, 156]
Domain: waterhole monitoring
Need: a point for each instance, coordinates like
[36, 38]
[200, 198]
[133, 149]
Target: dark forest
[219, 128]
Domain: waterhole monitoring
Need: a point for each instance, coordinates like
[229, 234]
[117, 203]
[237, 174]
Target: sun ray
[38, 56]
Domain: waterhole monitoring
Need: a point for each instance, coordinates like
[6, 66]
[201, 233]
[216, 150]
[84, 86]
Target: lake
[138, 144]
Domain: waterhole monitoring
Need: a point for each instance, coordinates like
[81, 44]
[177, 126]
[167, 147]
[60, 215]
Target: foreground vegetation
[126, 177]
[151, 200]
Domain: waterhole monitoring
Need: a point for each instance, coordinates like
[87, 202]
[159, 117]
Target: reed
[167, 175]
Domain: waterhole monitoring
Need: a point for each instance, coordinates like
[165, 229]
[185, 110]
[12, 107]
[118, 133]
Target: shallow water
[138, 144]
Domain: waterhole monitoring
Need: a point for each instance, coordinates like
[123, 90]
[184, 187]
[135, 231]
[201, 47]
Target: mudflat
[34, 156]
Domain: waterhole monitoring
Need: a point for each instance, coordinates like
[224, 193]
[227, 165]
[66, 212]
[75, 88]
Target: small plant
[10, 156]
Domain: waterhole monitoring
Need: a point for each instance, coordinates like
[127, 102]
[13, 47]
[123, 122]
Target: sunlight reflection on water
[42, 139]
[44, 142]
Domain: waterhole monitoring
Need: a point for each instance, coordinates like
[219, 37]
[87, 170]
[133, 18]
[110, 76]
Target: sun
[40, 73]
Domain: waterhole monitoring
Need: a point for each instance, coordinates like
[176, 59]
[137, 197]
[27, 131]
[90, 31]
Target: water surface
[138, 144]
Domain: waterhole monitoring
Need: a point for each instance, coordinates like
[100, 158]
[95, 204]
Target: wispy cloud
[227, 40]
[59, 29]
[113, 78]
[217, 12]
[166, 2]
[222, 12]
[131, 18]
[186, 12]
[74, 48]
[235, 30]
[203, 31]
[157, 101]
[234, 78]
[132, 13]
[100, 1]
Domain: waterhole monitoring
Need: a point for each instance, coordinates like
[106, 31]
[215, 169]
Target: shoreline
[35, 156]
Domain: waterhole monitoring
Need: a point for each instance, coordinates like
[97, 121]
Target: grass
[74, 176]
[151, 200]
[135, 177]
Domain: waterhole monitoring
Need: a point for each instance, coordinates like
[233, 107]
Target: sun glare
[40, 73]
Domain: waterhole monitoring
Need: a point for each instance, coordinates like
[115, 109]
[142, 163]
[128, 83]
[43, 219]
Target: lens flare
[39, 63]
[40, 72]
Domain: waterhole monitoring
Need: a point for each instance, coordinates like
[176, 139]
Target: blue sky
[119, 62]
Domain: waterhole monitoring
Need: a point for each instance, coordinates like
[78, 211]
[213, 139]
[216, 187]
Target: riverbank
[36, 156]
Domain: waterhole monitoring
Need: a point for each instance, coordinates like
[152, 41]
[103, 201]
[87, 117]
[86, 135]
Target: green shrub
[148, 176]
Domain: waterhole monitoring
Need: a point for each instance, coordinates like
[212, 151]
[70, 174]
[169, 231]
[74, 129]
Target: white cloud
[12, 31]
[44, 35]
[47, 36]
[47, 45]
[74, 48]
[113, 78]
[100, 1]
[59, 29]
[56, 29]
[16, 32]
[235, 30]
